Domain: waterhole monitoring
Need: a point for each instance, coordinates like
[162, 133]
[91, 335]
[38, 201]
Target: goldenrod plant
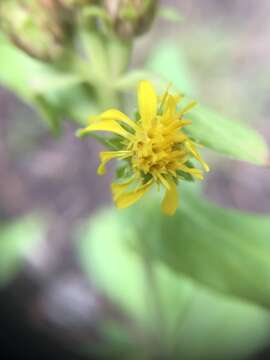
[170, 276]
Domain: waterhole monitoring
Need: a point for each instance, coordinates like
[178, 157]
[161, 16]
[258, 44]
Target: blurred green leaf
[228, 137]
[17, 239]
[49, 113]
[219, 328]
[16, 69]
[76, 103]
[170, 13]
[56, 94]
[107, 256]
[27, 76]
[212, 129]
[169, 62]
[225, 250]
[53, 80]
[197, 323]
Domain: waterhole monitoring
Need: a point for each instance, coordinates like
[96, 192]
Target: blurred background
[48, 305]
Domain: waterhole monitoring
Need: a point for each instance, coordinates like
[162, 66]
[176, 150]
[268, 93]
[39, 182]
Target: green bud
[41, 28]
[131, 18]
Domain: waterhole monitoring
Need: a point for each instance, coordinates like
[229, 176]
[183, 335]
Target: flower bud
[131, 18]
[41, 28]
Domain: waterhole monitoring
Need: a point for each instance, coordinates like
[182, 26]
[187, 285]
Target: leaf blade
[224, 250]
[225, 136]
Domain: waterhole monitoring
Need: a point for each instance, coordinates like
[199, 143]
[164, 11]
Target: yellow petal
[192, 148]
[180, 137]
[109, 125]
[147, 102]
[114, 114]
[171, 199]
[191, 105]
[197, 173]
[170, 114]
[119, 188]
[106, 156]
[126, 199]
[162, 179]
[185, 122]
[178, 97]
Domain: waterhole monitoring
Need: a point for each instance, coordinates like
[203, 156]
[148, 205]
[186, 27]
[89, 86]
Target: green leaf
[27, 76]
[49, 113]
[50, 79]
[56, 94]
[171, 14]
[228, 137]
[218, 328]
[16, 69]
[197, 323]
[225, 250]
[17, 239]
[77, 103]
[123, 278]
[170, 63]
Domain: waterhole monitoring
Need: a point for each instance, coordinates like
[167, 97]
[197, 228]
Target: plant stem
[119, 54]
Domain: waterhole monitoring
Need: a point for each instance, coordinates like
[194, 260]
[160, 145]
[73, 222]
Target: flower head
[41, 28]
[131, 18]
[154, 147]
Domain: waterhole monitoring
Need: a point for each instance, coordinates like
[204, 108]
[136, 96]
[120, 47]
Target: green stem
[119, 53]
[108, 59]
[94, 45]
[107, 97]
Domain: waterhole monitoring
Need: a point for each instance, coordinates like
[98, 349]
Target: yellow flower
[154, 147]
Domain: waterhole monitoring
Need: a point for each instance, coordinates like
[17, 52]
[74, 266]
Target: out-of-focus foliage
[57, 94]
[183, 284]
[225, 250]
[41, 28]
[132, 293]
[78, 89]
[171, 14]
[231, 138]
[228, 137]
[188, 320]
[219, 328]
[17, 240]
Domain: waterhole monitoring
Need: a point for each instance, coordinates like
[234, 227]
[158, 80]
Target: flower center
[156, 151]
